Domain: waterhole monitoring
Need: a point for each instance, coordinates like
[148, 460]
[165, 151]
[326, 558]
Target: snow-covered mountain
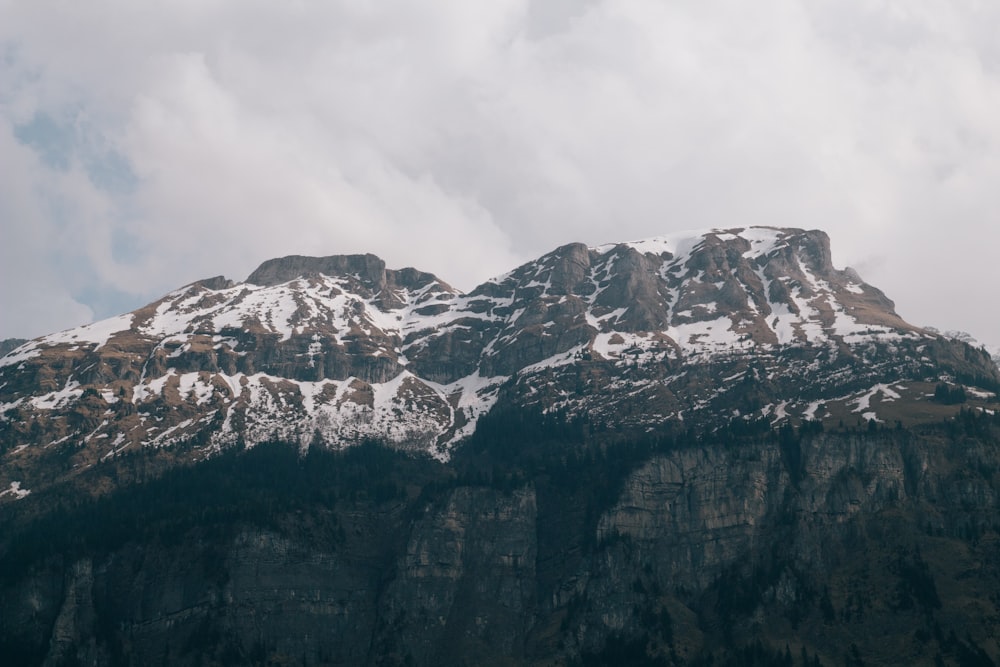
[699, 327]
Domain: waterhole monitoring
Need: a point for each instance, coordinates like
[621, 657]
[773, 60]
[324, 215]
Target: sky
[147, 145]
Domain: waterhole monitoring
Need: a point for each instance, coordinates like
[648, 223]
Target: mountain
[739, 323]
[710, 448]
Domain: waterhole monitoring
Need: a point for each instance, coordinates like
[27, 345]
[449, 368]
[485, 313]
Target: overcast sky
[147, 145]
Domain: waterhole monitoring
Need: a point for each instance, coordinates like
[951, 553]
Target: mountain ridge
[687, 451]
[741, 323]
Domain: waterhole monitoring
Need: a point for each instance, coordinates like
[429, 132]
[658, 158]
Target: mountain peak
[369, 268]
[699, 326]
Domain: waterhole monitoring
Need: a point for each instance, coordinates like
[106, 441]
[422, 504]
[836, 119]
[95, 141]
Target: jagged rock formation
[737, 323]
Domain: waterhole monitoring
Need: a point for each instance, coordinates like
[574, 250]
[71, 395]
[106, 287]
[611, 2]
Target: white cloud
[38, 253]
[462, 138]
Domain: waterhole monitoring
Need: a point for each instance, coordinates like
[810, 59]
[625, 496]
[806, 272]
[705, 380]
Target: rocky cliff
[866, 547]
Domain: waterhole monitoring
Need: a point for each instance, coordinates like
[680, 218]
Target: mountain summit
[713, 448]
[698, 328]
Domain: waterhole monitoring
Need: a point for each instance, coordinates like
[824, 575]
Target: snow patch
[96, 334]
[26, 351]
[58, 399]
[810, 412]
[16, 491]
[864, 402]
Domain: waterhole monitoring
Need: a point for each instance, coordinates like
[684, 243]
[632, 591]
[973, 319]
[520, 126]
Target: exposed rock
[368, 269]
[819, 541]
[472, 566]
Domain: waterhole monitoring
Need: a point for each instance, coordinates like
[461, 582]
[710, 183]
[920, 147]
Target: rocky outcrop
[369, 270]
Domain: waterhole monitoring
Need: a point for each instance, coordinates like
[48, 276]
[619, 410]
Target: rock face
[741, 323]
[472, 564]
[846, 545]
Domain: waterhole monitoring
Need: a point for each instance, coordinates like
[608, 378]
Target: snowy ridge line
[326, 303]
[410, 360]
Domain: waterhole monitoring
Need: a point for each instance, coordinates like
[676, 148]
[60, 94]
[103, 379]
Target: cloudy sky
[147, 145]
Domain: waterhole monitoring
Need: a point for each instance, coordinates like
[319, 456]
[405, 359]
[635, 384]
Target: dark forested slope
[544, 541]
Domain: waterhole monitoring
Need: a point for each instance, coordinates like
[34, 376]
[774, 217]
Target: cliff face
[882, 541]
